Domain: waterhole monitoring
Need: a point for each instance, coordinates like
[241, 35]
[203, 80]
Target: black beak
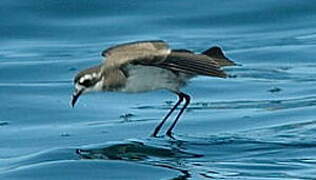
[75, 97]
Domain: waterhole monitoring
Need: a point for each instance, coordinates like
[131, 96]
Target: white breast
[149, 78]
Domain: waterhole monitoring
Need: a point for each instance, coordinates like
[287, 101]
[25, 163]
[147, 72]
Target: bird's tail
[217, 55]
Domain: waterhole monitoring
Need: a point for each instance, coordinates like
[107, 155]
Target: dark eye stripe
[86, 82]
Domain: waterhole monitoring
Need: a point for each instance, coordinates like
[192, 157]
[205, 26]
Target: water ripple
[267, 105]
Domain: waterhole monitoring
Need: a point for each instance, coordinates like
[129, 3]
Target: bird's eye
[86, 82]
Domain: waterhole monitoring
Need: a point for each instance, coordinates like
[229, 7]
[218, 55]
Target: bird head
[88, 80]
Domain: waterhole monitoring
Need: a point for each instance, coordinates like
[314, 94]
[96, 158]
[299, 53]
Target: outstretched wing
[217, 55]
[140, 52]
[157, 53]
[196, 64]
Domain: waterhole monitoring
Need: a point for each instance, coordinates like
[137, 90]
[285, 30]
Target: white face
[89, 82]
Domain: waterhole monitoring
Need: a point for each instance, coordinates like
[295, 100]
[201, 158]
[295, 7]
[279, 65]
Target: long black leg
[157, 129]
[187, 102]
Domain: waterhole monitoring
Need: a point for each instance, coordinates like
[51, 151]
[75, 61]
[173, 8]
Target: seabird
[147, 66]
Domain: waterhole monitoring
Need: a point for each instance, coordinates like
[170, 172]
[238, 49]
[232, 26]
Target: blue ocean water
[259, 124]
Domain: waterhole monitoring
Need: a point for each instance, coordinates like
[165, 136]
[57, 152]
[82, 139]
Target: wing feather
[158, 53]
[192, 64]
[142, 52]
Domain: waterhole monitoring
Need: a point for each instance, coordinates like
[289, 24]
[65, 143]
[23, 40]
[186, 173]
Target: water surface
[260, 124]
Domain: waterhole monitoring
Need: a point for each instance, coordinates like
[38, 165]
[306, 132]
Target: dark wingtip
[217, 54]
[215, 50]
